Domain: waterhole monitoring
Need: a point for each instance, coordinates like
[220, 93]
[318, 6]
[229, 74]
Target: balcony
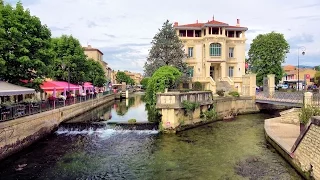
[215, 59]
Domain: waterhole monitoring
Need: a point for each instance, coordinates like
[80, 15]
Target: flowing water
[221, 150]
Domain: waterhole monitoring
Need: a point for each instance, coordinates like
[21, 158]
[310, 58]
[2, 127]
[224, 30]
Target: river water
[222, 150]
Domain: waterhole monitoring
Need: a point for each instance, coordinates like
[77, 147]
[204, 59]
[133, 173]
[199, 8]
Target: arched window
[215, 49]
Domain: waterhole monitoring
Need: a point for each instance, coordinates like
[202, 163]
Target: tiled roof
[92, 49]
[213, 22]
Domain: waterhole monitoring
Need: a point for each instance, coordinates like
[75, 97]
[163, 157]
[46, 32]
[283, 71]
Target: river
[222, 150]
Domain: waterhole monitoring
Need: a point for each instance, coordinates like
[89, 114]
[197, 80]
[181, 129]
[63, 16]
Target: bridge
[289, 99]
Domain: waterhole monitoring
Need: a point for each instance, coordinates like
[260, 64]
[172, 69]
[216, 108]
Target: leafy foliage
[197, 86]
[68, 52]
[163, 78]
[95, 73]
[267, 53]
[24, 46]
[210, 115]
[317, 78]
[307, 112]
[317, 68]
[144, 82]
[122, 77]
[190, 107]
[167, 49]
[234, 94]
[220, 93]
[132, 121]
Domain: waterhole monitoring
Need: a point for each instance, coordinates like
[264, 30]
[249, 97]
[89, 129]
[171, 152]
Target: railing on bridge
[278, 97]
[316, 99]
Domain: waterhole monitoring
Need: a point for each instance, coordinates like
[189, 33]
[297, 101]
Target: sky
[123, 29]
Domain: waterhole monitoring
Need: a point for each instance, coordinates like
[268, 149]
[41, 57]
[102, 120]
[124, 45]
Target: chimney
[89, 46]
[175, 24]
[238, 22]
[197, 21]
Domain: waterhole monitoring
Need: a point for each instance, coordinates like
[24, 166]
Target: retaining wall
[20, 133]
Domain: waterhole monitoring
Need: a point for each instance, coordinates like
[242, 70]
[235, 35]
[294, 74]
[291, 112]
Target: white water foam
[102, 132]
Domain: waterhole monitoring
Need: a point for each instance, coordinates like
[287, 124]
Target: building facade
[137, 77]
[215, 52]
[294, 77]
[97, 55]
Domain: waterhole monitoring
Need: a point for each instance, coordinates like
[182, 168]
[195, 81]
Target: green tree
[122, 77]
[24, 46]
[68, 53]
[144, 82]
[96, 73]
[267, 53]
[317, 78]
[167, 49]
[317, 68]
[164, 77]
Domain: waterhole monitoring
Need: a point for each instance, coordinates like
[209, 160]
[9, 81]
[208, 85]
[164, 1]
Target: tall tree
[317, 78]
[96, 73]
[122, 77]
[267, 53]
[68, 53]
[167, 49]
[24, 46]
[317, 68]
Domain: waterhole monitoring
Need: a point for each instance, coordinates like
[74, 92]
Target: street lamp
[64, 66]
[303, 49]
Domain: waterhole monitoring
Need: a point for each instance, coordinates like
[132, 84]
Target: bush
[220, 93]
[197, 86]
[132, 121]
[307, 112]
[190, 107]
[234, 94]
[210, 115]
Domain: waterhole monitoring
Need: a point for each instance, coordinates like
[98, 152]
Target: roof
[57, 85]
[92, 49]
[212, 23]
[301, 70]
[289, 68]
[8, 89]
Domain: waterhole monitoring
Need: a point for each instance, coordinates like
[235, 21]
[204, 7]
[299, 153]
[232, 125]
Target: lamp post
[303, 49]
[64, 66]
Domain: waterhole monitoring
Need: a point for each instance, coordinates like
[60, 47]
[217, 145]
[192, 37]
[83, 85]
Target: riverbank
[300, 149]
[19, 133]
[222, 150]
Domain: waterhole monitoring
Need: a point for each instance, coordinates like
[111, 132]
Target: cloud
[91, 24]
[124, 29]
[299, 40]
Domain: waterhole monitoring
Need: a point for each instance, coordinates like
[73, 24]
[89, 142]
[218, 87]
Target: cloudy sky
[123, 29]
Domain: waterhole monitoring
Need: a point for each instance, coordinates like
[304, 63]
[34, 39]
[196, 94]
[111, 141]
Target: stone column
[307, 99]
[253, 84]
[271, 85]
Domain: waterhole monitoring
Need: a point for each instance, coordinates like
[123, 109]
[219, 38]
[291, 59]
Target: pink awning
[58, 85]
[88, 85]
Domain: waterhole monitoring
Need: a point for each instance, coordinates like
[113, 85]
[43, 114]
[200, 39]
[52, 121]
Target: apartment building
[215, 52]
[97, 55]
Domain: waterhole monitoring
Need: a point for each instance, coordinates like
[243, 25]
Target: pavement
[284, 134]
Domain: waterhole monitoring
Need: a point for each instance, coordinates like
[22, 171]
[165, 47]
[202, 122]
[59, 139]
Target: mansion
[215, 53]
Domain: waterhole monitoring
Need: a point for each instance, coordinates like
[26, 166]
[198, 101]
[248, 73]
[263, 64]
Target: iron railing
[18, 110]
[289, 97]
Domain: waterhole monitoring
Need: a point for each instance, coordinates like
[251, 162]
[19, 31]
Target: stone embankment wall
[175, 118]
[19, 133]
[306, 151]
[226, 106]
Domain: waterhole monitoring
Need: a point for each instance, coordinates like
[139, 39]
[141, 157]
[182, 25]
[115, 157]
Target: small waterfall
[103, 130]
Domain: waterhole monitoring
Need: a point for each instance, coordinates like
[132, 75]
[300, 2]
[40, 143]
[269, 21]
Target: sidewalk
[283, 133]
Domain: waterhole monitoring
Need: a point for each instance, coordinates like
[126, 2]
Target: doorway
[212, 72]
